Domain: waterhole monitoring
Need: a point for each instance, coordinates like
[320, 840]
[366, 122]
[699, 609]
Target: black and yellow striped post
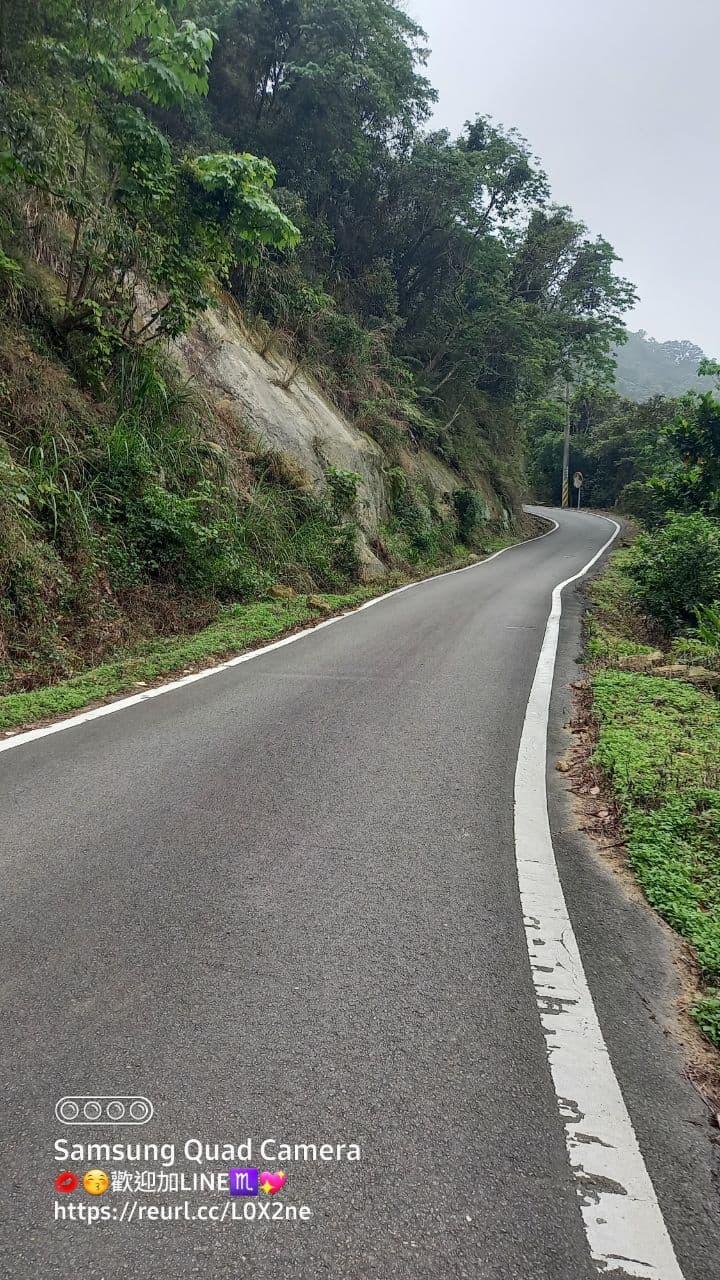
[566, 466]
[566, 451]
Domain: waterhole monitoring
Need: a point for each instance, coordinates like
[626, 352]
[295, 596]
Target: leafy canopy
[139, 212]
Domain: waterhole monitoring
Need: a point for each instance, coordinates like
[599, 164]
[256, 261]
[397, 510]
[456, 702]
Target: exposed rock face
[298, 421]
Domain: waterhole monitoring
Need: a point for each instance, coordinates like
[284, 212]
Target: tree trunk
[78, 222]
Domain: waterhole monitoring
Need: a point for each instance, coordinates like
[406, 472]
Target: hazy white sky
[620, 99]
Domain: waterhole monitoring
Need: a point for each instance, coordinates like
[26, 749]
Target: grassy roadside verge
[658, 745]
[238, 627]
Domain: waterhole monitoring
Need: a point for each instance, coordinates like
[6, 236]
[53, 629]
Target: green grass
[604, 645]
[238, 627]
[659, 744]
[695, 652]
[613, 627]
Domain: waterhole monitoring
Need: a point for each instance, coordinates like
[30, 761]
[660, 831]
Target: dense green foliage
[432, 270]
[616, 443]
[651, 460]
[676, 570]
[686, 474]
[153, 153]
[81, 78]
[435, 289]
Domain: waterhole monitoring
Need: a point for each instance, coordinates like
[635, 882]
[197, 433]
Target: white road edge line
[623, 1220]
[121, 704]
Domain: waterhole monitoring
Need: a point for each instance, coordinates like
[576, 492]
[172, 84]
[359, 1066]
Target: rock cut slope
[299, 421]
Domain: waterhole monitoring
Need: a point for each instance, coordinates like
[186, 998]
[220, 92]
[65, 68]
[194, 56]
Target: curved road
[282, 902]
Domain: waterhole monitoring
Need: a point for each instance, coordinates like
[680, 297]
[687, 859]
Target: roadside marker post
[578, 481]
[566, 451]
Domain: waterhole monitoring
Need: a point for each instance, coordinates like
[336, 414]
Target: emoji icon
[96, 1181]
[243, 1182]
[272, 1182]
[66, 1181]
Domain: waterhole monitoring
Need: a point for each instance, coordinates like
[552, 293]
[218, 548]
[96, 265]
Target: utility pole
[566, 451]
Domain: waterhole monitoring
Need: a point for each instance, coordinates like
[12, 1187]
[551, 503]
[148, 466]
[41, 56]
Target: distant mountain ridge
[648, 368]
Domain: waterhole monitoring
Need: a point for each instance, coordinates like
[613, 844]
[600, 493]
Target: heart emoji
[272, 1182]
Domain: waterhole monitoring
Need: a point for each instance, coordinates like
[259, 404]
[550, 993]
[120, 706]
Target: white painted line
[623, 1220]
[121, 704]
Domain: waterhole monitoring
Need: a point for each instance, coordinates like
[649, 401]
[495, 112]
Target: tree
[569, 279]
[320, 86]
[434, 278]
[139, 215]
[616, 443]
[692, 482]
[108, 54]
[508, 180]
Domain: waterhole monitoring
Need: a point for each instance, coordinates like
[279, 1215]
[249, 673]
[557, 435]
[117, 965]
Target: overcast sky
[620, 100]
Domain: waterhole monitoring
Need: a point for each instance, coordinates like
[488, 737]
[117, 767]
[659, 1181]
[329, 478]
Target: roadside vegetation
[236, 628]
[653, 645]
[156, 158]
[652, 639]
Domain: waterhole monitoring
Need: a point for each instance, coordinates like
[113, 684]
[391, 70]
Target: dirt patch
[534, 526]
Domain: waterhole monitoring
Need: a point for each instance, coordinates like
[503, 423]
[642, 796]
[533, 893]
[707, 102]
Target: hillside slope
[140, 506]
[300, 421]
[251, 195]
[648, 368]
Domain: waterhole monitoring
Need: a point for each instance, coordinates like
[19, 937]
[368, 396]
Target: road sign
[578, 481]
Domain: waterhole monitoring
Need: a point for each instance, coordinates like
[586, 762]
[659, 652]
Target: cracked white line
[623, 1220]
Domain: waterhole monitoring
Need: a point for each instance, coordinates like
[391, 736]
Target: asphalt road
[282, 902]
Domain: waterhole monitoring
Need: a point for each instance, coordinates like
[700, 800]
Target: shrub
[397, 482]
[379, 418]
[419, 532]
[676, 570]
[708, 625]
[343, 487]
[470, 512]
[641, 499]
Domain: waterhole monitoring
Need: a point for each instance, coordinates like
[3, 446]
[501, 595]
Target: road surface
[282, 902]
